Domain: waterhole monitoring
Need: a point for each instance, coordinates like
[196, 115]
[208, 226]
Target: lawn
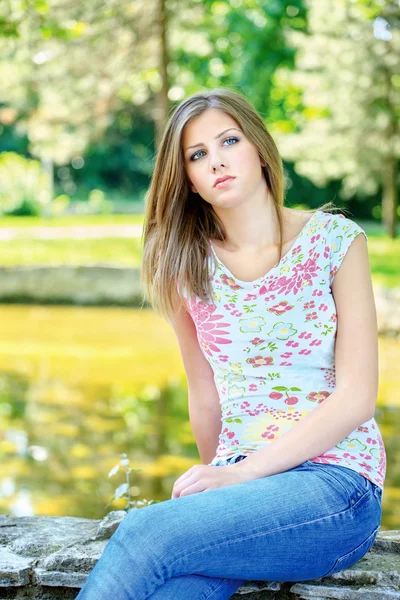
[384, 253]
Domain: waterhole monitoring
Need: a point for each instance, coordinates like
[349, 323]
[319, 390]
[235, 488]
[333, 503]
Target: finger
[183, 478]
[195, 488]
[191, 479]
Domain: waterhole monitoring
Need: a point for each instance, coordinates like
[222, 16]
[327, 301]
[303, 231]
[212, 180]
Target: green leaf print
[249, 308]
[232, 298]
[295, 389]
[328, 329]
[280, 388]
[299, 258]
[274, 375]
[237, 420]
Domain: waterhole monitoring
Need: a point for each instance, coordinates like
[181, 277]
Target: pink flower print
[314, 238]
[270, 431]
[349, 456]
[326, 251]
[317, 396]
[333, 272]
[271, 297]
[230, 282]
[371, 441]
[308, 305]
[364, 429]
[317, 293]
[285, 364]
[365, 475]
[303, 274]
[260, 361]
[296, 250]
[286, 355]
[209, 331]
[292, 343]
[280, 308]
[315, 343]
[253, 387]
[311, 316]
[327, 458]
[323, 307]
[333, 318]
[223, 357]
[365, 466]
[257, 341]
[249, 297]
[275, 396]
[304, 351]
[305, 335]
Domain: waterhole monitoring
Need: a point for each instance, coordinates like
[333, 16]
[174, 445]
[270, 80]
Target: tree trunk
[162, 101]
[390, 197]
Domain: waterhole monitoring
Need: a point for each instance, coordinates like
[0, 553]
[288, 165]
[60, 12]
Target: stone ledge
[102, 284]
[49, 558]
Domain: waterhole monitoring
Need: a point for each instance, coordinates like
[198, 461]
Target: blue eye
[192, 158]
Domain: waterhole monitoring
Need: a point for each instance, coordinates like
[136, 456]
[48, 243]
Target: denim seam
[344, 556]
[294, 525]
[215, 589]
[332, 474]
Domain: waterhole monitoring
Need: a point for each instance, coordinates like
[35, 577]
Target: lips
[222, 179]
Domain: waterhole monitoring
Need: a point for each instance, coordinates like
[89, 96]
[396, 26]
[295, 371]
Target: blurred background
[86, 374]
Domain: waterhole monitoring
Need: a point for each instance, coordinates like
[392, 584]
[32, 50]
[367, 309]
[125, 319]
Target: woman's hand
[201, 478]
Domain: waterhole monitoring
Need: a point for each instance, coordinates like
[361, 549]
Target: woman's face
[219, 153]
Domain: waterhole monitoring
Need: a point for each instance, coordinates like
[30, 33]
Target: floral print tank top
[271, 344]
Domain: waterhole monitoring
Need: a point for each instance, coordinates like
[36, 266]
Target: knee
[140, 523]
[154, 526]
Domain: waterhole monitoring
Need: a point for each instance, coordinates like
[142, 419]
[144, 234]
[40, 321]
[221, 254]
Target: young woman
[274, 313]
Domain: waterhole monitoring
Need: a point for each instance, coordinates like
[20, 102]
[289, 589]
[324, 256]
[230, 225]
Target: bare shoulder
[294, 221]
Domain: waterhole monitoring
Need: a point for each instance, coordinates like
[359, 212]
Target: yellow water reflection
[79, 386]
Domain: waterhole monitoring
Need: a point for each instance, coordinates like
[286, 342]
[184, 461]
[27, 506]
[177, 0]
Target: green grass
[384, 253]
[71, 220]
[113, 251]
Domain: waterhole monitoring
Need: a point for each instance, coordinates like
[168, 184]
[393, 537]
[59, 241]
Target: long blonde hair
[178, 225]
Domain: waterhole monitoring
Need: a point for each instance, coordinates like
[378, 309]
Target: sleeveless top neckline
[276, 266]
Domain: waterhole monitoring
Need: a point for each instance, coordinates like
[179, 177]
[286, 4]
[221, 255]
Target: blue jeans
[302, 524]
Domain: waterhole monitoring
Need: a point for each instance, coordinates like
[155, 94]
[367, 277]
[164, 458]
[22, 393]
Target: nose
[216, 164]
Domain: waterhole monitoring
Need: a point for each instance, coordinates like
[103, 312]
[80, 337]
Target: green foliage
[123, 490]
[24, 186]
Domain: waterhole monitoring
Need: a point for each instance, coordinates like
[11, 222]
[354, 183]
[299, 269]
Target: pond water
[79, 387]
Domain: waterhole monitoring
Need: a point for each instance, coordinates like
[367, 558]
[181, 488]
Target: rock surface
[105, 284]
[49, 558]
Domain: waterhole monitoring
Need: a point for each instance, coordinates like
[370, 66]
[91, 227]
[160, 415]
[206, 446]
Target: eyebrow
[216, 137]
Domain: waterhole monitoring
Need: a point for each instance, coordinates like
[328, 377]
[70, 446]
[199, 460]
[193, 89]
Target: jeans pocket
[354, 485]
[349, 559]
